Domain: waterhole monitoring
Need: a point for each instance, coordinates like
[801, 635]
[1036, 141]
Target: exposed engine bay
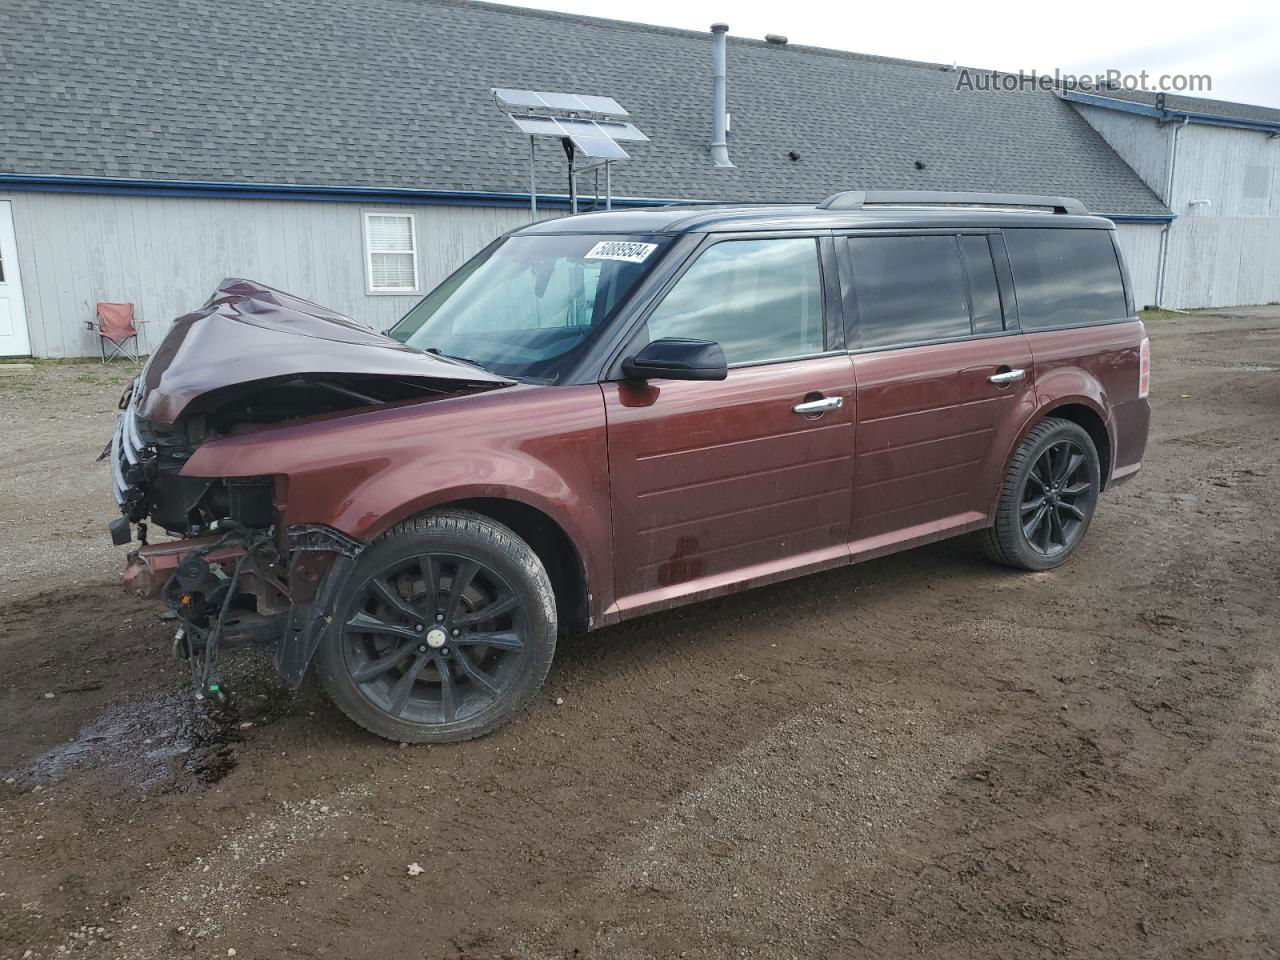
[148, 457]
[251, 359]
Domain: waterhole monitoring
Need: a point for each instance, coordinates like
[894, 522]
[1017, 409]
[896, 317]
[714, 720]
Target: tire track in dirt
[857, 773]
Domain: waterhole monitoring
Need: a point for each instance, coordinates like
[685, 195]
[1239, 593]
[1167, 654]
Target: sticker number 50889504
[628, 250]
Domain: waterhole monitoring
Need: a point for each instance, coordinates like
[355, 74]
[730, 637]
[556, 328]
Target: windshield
[527, 307]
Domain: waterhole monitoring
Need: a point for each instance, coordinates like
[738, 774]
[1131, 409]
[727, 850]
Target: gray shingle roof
[395, 93]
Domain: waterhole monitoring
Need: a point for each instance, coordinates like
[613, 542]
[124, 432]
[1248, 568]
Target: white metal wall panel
[1226, 252]
[1223, 253]
[1216, 164]
[1140, 244]
[1140, 141]
[166, 255]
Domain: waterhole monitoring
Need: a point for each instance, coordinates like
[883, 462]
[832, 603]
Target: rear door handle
[1009, 376]
[819, 406]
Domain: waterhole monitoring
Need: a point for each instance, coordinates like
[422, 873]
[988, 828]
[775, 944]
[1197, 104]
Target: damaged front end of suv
[233, 569]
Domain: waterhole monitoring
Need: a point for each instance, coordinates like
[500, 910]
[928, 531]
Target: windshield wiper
[436, 351]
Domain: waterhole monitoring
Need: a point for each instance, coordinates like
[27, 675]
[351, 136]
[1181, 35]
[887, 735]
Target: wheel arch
[555, 546]
[560, 556]
[1085, 411]
[1093, 423]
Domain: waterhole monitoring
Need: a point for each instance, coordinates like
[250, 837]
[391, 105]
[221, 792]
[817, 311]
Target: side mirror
[675, 358]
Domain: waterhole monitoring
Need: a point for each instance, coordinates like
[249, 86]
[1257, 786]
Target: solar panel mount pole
[573, 174]
[608, 186]
[533, 183]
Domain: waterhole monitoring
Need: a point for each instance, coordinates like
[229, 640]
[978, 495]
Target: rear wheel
[1048, 499]
[447, 630]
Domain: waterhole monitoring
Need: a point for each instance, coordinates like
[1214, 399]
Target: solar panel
[613, 129]
[605, 105]
[567, 102]
[538, 126]
[564, 101]
[593, 125]
[539, 114]
[578, 127]
[622, 131]
[518, 98]
[600, 147]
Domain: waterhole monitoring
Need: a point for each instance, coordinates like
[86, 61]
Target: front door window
[759, 299]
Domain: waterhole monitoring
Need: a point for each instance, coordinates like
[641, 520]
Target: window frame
[849, 294]
[967, 269]
[370, 289]
[828, 286]
[1126, 288]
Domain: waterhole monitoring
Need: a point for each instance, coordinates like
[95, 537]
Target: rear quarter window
[1065, 278]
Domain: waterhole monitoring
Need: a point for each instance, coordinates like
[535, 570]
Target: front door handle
[819, 406]
[1009, 376]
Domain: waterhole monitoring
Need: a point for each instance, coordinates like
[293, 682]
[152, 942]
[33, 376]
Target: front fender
[540, 446]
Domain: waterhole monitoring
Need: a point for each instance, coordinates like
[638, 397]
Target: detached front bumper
[293, 595]
[150, 567]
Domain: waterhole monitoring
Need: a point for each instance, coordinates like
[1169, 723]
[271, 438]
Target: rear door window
[909, 289]
[759, 299]
[1065, 277]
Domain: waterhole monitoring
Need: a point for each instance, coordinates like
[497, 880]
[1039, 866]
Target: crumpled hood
[249, 332]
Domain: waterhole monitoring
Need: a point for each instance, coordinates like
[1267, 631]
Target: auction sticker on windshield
[627, 250]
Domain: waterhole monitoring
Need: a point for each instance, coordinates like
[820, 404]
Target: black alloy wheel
[1057, 498]
[434, 638]
[448, 628]
[1048, 497]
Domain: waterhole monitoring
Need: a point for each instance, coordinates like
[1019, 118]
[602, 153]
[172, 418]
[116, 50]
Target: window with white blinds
[391, 252]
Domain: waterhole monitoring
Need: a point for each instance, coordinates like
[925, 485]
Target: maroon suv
[610, 414]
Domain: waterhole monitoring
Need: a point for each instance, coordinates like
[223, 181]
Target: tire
[1047, 500]
[411, 663]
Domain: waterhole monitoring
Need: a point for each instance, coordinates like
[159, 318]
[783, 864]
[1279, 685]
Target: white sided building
[1216, 166]
[352, 152]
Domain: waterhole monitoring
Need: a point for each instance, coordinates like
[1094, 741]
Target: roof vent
[719, 107]
[777, 39]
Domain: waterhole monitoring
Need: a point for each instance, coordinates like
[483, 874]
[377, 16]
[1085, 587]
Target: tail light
[1144, 368]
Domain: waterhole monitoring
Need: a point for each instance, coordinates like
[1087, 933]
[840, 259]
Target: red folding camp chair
[114, 325]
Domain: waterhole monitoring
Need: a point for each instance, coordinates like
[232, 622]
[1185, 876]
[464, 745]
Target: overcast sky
[1236, 42]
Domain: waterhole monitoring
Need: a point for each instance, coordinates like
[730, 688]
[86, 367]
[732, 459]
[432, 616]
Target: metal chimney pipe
[719, 103]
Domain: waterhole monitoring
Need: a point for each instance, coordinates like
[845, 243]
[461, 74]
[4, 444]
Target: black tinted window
[909, 289]
[759, 299]
[1065, 277]
[982, 285]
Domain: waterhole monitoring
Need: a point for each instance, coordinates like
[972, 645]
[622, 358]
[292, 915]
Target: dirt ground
[922, 756]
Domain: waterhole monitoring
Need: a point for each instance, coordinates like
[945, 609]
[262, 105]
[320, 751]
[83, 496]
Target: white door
[14, 340]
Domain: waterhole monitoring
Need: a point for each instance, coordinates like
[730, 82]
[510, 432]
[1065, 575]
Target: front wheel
[447, 630]
[1048, 498]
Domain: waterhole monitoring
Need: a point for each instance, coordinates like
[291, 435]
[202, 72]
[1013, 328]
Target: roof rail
[859, 199]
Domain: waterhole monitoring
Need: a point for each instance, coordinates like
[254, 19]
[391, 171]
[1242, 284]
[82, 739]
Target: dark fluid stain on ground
[167, 744]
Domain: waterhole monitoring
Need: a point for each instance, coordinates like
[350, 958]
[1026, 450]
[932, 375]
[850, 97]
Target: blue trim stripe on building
[1166, 115]
[1139, 217]
[294, 191]
[138, 187]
